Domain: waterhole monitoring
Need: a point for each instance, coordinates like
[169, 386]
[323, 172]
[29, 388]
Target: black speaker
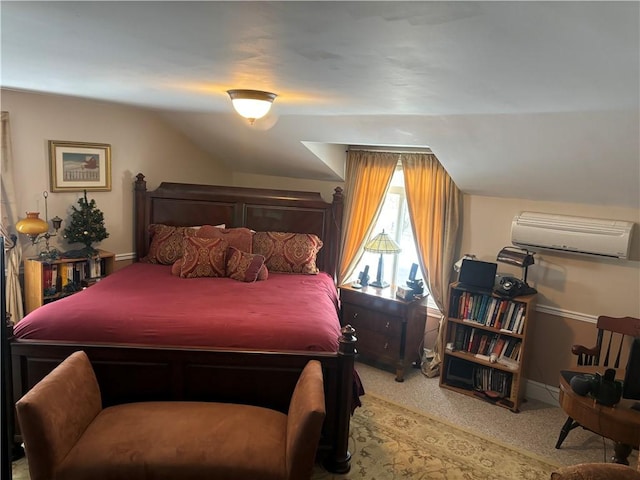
[581, 384]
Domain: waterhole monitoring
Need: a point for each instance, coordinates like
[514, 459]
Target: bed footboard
[129, 373]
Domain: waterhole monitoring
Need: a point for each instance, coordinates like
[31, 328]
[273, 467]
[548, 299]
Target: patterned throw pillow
[204, 257]
[240, 238]
[166, 243]
[263, 274]
[288, 252]
[243, 266]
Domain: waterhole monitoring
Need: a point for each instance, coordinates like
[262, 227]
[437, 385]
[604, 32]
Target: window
[394, 220]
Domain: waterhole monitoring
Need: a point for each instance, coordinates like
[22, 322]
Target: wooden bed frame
[137, 372]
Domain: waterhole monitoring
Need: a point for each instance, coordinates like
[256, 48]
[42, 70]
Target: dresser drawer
[378, 346]
[363, 319]
[389, 306]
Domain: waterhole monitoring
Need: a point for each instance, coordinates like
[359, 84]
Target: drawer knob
[355, 315]
[387, 325]
[386, 346]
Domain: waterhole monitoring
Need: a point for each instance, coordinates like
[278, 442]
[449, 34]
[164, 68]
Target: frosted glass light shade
[32, 225]
[251, 104]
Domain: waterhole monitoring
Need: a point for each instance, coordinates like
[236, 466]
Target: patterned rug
[391, 442]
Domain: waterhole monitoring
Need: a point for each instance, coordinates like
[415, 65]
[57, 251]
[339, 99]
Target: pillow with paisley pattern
[288, 252]
[166, 243]
[240, 237]
[204, 257]
[243, 266]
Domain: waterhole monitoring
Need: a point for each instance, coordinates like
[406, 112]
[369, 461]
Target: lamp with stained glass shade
[382, 244]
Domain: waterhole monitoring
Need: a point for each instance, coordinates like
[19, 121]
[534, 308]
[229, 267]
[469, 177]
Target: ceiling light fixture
[251, 104]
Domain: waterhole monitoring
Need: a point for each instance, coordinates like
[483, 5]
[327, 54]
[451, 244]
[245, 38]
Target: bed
[246, 343]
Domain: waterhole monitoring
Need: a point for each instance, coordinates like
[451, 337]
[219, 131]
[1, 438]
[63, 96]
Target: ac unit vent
[590, 236]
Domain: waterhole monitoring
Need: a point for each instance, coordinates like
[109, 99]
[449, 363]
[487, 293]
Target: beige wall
[573, 289]
[140, 142]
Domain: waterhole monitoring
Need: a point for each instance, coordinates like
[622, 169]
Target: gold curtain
[434, 204]
[8, 218]
[368, 176]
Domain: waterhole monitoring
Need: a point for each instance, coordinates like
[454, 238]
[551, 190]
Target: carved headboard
[183, 204]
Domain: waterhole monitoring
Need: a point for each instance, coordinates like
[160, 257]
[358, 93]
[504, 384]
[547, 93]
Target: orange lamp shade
[32, 225]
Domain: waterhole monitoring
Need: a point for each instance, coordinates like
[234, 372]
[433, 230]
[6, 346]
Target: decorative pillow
[288, 252]
[176, 267]
[240, 238]
[166, 243]
[243, 266]
[203, 257]
[263, 274]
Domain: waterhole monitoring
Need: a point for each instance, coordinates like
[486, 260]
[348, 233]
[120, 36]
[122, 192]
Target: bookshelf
[485, 344]
[48, 281]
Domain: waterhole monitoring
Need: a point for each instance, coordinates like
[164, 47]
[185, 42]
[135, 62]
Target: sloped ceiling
[536, 100]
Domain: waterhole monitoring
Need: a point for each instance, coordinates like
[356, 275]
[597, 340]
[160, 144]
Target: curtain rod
[361, 149]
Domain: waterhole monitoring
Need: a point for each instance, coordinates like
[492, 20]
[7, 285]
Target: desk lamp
[37, 229]
[381, 243]
[519, 258]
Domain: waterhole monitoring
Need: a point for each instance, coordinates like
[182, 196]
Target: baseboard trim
[543, 393]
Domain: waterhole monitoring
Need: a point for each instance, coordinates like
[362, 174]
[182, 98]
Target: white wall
[140, 142]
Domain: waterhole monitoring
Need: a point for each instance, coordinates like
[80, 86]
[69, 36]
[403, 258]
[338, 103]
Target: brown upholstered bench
[68, 435]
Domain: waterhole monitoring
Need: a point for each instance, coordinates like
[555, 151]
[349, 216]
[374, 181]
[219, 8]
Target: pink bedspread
[145, 304]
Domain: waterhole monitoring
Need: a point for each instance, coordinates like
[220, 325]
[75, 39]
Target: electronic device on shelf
[363, 278]
[415, 285]
[477, 276]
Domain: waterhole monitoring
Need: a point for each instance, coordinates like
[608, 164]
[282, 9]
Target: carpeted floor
[535, 429]
[391, 442]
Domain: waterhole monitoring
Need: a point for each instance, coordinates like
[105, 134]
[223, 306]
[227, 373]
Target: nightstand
[390, 330]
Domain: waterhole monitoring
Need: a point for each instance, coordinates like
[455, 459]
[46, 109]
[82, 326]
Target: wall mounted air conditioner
[592, 236]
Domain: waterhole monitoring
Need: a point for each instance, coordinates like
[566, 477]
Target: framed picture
[78, 166]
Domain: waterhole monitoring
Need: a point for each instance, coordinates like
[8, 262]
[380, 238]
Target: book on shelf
[458, 343]
[54, 278]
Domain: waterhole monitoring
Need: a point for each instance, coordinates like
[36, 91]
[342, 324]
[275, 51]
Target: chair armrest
[54, 414]
[304, 421]
[582, 350]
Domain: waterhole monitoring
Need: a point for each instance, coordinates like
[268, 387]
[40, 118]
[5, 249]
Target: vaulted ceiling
[536, 100]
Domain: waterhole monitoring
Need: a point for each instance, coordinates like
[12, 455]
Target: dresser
[390, 330]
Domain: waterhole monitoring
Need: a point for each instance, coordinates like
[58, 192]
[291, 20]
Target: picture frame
[78, 166]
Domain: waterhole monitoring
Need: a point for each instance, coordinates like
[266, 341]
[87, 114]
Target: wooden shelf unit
[35, 282]
[468, 366]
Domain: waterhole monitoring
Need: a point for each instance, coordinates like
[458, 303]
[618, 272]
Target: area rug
[389, 442]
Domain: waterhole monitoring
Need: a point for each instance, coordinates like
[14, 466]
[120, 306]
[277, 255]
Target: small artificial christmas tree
[86, 226]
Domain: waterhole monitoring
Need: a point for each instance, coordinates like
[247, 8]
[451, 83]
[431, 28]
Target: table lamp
[381, 243]
[518, 257]
[37, 229]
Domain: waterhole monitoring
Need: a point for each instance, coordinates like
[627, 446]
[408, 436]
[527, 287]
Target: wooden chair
[607, 353]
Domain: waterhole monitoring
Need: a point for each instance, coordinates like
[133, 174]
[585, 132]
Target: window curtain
[434, 204]
[368, 176]
[8, 218]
